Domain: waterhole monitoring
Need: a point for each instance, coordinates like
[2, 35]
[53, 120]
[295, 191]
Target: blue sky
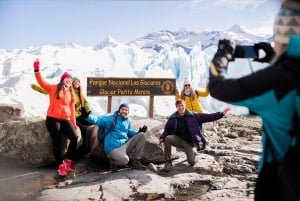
[25, 23]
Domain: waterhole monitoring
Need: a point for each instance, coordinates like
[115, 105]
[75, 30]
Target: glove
[84, 113]
[226, 48]
[36, 65]
[143, 129]
[267, 48]
[224, 54]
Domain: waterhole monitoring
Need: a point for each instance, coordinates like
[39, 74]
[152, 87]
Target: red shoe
[62, 170]
[68, 163]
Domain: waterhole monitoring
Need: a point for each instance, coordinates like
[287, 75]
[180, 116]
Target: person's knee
[141, 137]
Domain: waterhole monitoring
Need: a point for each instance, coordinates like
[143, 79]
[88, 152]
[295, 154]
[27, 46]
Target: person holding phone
[273, 94]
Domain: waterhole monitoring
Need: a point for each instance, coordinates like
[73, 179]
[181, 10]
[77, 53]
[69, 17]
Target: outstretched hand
[226, 110]
[143, 129]
[36, 65]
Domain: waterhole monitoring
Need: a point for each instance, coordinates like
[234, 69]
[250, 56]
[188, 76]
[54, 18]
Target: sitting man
[121, 141]
[182, 131]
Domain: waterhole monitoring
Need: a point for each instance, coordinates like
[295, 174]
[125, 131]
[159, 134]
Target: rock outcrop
[225, 171]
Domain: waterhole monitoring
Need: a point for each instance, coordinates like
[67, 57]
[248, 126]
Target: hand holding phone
[267, 48]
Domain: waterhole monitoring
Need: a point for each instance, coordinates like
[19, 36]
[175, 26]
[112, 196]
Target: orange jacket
[63, 108]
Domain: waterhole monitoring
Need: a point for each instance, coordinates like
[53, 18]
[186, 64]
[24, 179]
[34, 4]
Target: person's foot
[198, 147]
[203, 145]
[113, 167]
[62, 170]
[68, 163]
[168, 167]
[136, 163]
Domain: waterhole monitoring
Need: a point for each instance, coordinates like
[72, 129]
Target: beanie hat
[186, 81]
[123, 105]
[76, 79]
[287, 21]
[65, 75]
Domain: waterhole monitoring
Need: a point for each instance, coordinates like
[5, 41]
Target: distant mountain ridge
[165, 39]
[165, 54]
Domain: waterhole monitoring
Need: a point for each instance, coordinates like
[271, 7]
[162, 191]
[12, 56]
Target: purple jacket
[193, 120]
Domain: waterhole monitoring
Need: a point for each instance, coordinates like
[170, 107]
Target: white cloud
[240, 4]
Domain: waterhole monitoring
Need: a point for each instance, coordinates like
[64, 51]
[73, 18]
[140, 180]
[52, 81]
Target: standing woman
[60, 117]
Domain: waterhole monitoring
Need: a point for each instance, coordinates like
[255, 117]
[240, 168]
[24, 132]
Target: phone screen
[245, 51]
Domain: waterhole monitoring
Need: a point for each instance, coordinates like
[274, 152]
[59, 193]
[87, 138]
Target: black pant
[83, 125]
[57, 128]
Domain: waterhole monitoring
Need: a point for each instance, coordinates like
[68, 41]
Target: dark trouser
[56, 128]
[180, 143]
[133, 148]
[83, 125]
[203, 140]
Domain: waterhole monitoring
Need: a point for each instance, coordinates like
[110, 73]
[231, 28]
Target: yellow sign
[130, 86]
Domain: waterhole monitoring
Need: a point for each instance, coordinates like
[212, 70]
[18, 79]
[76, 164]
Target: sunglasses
[187, 85]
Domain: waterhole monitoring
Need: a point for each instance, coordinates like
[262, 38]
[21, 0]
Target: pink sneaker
[68, 163]
[62, 170]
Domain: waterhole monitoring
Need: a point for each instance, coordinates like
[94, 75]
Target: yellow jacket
[78, 104]
[193, 104]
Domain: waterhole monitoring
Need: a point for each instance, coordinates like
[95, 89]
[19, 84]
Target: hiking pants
[180, 143]
[56, 128]
[133, 147]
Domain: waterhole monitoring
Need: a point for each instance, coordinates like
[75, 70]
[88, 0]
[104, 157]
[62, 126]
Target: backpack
[102, 132]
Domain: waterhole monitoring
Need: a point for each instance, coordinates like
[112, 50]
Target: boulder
[27, 139]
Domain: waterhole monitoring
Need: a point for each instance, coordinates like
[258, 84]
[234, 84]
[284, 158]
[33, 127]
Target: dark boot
[113, 167]
[168, 167]
[136, 163]
[203, 145]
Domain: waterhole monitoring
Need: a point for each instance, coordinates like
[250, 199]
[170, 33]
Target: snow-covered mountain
[166, 54]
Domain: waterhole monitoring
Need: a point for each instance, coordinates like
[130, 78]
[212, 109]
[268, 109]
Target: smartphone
[244, 51]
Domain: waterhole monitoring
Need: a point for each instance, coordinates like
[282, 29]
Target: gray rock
[225, 171]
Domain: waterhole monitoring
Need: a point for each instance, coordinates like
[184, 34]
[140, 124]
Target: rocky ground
[225, 171]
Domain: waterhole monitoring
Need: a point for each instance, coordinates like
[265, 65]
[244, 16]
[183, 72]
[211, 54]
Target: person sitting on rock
[122, 144]
[60, 118]
[81, 101]
[182, 131]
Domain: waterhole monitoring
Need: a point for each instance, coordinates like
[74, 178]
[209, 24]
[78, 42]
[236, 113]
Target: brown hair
[179, 101]
[59, 91]
[80, 95]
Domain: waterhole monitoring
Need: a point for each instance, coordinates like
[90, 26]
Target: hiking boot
[136, 163]
[113, 167]
[68, 163]
[198, 147]
[62, 170]
[168, 167]
[204, 145]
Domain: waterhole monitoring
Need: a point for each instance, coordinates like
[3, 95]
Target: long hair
[59, 91]
[192, 94]
[80, 95]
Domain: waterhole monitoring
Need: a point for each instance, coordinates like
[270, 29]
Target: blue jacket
[271, 93]
[120, 133]
[193, 120]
